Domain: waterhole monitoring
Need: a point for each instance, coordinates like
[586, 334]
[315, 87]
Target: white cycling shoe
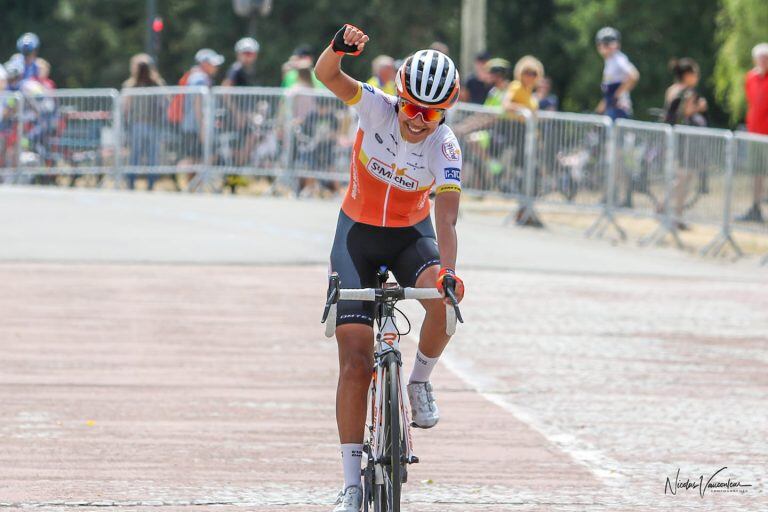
[349, 500]
[423, 407]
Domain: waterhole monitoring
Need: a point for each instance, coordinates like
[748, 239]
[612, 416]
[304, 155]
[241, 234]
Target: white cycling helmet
[247, 44]
[428, 78]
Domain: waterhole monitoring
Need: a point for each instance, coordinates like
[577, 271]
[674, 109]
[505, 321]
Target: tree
[741, 24]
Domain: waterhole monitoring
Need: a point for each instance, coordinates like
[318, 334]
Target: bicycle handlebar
[335, 294]
[369, 294]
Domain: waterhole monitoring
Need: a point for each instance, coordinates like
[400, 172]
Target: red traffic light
[157, 24]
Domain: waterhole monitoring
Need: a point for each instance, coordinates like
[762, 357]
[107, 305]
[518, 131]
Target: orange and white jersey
[390, 178]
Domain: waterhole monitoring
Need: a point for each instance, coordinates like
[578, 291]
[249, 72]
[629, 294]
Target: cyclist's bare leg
[355, 368]
[432, 339]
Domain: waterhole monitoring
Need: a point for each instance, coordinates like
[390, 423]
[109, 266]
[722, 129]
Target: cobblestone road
[585, 376]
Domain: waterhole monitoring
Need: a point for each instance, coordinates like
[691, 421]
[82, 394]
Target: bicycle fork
[388, 344]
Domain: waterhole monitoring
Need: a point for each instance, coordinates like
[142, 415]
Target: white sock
[422, 368]
[351, 456]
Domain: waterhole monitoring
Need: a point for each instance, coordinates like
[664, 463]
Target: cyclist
[28, 45]
[402, 150]
[620, 76]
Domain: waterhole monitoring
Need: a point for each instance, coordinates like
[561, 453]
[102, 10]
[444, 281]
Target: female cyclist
[402, 151]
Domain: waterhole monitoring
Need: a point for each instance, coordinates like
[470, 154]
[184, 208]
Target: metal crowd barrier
[749, 188]
[164, 131]
[572, 159]
[248, 135]
[318, 135]
[66, 132]
[302, 139]
[495, 149]
[641, 168]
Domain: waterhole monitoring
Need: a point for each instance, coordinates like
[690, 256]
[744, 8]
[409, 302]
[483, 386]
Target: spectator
[14, 70]
[300, 92]
[682, 102]
[247, 51]
[303, 104]
[142, 114]
[547, 100]
[44, 73]
[756, 89]
[477, 85]
[620, 76]
[383, 78]
[317, 138]
[239, 75]
[193, 122]
[238, 107]
[487, 148]
[8, 114]
[439, 46]
[684, 105]
[28, 45]
[494, 142]
[303, 57]
[528, 71]
[496, 73]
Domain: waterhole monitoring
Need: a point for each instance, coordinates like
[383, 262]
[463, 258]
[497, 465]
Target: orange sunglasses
[430, 115]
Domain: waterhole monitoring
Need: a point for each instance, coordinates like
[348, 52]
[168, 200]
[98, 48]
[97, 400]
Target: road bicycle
[388, 445]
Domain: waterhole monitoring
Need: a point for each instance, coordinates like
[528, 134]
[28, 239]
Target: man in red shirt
[756, 88]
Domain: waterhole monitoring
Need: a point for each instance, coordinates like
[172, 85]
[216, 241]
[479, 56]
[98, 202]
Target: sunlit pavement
[165, 351]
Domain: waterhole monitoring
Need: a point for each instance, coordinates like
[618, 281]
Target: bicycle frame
[387, 348]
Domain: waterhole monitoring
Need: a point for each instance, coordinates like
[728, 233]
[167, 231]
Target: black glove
[339, 46]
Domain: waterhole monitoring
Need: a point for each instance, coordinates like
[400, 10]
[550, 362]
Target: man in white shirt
[620, 76]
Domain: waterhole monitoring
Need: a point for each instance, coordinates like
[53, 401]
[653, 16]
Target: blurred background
[552, 94]
[89, 42]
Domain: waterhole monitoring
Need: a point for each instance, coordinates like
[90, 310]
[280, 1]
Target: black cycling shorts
[360, 249]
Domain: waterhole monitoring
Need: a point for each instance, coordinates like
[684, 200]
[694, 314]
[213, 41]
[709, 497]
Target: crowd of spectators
[493, 82]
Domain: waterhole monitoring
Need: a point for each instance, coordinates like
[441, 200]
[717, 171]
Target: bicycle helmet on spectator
[14, 69]
[428, 78]
[28, 43]
[607, 35]
[247, 44]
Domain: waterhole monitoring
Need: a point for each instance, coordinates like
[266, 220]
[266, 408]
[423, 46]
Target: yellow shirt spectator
[388, 87]
[521, 96]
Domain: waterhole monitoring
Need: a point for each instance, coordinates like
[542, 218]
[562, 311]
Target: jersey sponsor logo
[368, 88]
[452, 173]
[355, 185]
[391, 174]
[451, 150]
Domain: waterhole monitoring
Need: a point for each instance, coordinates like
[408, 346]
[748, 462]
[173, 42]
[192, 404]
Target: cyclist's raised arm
[328, 67]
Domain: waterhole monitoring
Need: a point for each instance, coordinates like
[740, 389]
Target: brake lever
[334, 284]
[330, 302]
[454, 303]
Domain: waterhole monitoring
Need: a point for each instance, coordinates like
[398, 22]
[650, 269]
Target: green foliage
[741, 24]
[89, 42]
[653, 33]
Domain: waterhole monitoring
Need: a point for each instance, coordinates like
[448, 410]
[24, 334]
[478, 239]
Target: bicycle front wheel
[394, 437]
